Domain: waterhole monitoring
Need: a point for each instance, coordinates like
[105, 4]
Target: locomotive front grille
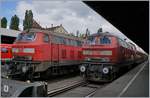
[95, 72]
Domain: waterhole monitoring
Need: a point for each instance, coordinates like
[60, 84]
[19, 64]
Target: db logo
[6, 88]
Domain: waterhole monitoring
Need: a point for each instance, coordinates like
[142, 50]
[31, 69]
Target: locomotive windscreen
[98, 40]
[26, 36]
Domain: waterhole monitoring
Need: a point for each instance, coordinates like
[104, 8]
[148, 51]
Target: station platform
[134, 83]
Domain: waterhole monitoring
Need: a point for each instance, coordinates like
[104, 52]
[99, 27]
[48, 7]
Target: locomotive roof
[57, 34]
[102, 34]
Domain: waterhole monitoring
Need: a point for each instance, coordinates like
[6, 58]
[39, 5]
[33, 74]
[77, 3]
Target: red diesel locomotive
[6, 53]
[39, 53]
[105, 54]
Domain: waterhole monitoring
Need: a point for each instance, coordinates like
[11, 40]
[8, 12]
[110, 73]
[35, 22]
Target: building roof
[36, 25]
[53, 29]
[9, 32]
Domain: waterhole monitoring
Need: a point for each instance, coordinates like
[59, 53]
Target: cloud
[74, 15]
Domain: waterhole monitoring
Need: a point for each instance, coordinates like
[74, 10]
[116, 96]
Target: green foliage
[28, 21]
[14, 24]
[4, 22]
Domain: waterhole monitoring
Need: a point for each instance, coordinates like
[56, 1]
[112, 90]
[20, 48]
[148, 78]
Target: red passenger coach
[42, 53]
[6, 53]
[104, 55]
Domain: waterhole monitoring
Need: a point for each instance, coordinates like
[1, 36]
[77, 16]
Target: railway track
[84, 89]
[65, 88]
[94, 91]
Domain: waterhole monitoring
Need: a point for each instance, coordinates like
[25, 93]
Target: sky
[73, 15]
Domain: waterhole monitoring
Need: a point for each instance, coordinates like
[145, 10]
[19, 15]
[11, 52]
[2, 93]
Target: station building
[8, 36]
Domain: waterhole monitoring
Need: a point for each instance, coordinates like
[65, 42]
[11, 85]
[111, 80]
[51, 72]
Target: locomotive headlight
[24, 69]
[29, 50]
[105, 70]
[82, 68]
[15, 50]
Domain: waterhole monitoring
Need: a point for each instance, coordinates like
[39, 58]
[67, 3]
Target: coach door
[55, 49]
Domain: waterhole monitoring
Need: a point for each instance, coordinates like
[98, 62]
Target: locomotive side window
[26, 36]
[79, 43]
[63, 40]
[67, 41]
[123, 43]
[46, 38]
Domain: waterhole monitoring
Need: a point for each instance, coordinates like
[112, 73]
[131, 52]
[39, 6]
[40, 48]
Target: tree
[14, 24]
[4, 22]
[28, 21]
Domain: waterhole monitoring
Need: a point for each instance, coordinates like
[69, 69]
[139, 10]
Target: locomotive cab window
[99, 40]
[105, 40]
[46, 38]
[26, 36]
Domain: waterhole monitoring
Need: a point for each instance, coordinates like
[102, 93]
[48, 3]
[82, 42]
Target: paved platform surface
[135, 83]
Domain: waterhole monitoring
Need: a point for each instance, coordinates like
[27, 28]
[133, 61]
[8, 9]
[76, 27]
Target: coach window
[46, 38]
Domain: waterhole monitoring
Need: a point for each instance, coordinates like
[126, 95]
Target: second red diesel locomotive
[105, 54]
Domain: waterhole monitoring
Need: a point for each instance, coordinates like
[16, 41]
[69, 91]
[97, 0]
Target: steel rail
[65, 88]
